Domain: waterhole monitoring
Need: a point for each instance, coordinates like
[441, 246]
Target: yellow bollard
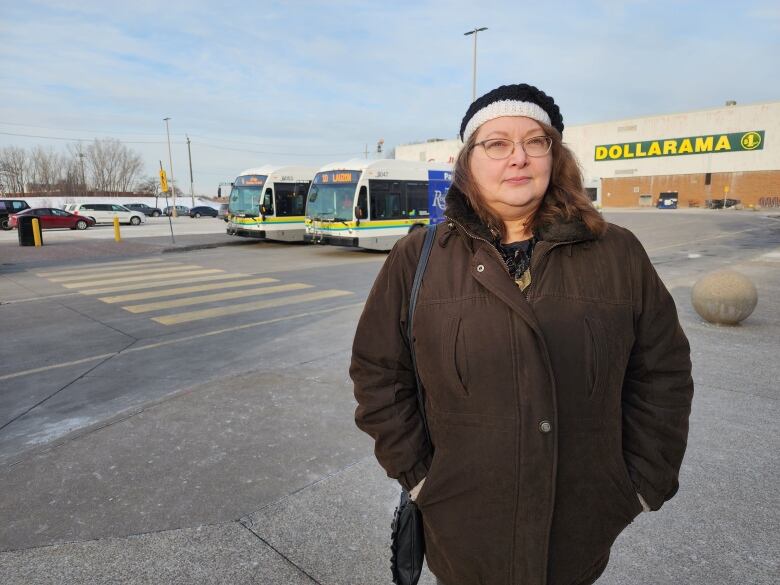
[36, 225]
[117, 236]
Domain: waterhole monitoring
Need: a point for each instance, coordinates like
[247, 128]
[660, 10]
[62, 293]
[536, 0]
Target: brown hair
[565, 199]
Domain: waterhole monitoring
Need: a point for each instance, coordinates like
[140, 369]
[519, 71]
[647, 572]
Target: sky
[310, 83]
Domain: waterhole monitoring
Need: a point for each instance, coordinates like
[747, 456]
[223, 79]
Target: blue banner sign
[438, 184]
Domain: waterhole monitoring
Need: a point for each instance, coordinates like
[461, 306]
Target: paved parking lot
[163, 422]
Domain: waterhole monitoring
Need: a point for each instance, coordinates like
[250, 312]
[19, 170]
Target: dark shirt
[517, 257]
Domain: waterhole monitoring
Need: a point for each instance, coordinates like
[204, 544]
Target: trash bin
[25, 228]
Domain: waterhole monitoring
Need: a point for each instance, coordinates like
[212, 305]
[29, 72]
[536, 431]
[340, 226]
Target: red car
[52, 218]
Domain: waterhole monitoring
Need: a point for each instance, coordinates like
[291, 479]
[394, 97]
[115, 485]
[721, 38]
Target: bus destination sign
[337, 177]
[250, 181]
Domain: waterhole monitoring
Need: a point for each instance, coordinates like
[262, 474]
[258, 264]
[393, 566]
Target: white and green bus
[374, 203]
[269, 202]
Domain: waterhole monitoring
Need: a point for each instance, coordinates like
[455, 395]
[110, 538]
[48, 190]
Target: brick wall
[759, 188]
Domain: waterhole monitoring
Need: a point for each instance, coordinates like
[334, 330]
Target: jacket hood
[459, 209]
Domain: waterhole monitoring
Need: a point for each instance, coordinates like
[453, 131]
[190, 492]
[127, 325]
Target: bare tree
[147, 185]
[47, 168]
[113, 166]
[14, 167]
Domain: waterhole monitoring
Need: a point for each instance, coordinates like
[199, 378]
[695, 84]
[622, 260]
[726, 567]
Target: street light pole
[170, 160]
[474, 73]
[192, 187]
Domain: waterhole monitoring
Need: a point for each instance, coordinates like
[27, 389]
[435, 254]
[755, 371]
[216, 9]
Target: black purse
[407, 543]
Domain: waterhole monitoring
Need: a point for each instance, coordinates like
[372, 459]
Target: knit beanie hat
[511, 100]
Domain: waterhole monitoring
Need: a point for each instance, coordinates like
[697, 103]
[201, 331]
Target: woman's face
[513, 187]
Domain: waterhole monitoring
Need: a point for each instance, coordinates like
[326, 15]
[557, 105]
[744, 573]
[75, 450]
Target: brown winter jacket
[549, 408]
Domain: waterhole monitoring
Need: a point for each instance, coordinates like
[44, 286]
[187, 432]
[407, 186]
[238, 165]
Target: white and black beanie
[511, 100]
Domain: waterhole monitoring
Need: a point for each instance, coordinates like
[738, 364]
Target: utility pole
[365, 152]
[170, 160]
[474, 72]
[192, 188]
[83, 176]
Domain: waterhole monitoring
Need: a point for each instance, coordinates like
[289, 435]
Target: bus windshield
[332, 195]
[245, 195]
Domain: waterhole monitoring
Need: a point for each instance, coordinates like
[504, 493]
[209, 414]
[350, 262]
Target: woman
[557, 378]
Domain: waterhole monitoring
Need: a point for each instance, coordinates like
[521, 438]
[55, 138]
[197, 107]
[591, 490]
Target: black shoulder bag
[407, 543]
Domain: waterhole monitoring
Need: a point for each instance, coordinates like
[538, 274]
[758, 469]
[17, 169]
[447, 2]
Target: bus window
[285, 199]
[298, 200]
[268, 202]
[416, 199]
[362, 203]
[386, 200]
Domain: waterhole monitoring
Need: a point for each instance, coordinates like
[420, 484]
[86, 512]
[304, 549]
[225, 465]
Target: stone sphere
[724, 297]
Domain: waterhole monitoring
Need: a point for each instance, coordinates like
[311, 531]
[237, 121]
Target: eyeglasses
[501, 148]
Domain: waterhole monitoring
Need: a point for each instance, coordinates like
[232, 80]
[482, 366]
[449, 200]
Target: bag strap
[430, 234]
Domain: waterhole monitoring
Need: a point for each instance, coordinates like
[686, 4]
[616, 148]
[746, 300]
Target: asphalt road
[89, 339]
[134, 434]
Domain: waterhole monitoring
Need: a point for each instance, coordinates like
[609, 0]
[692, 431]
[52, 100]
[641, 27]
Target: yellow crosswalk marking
[148, 277]
[172, 292]
[252, 306]
[101, 265]
[167, 282]
[225, 296]
[125, 272]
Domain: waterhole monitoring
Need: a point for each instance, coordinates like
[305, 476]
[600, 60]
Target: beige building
[731, 152]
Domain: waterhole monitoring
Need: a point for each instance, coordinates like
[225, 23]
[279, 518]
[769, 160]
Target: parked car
[105, 212]
[145, 209]
[223, 211]
[721, 203]
[52, 218]
[180, 210]
[201, 210]
[7, 208]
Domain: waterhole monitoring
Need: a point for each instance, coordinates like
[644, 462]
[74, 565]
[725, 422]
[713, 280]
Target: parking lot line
[97, 265]
[147, 277]
[124, 272]
[171, 292]
[224, 296]
[167, 282]
[253, 306]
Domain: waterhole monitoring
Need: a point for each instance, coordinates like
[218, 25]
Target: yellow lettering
[639, 151]
[670, 147]
[655, 149]
[627, 152]
[704, 144]
[615, 151]
[686, 147]
[723, 143]
[601, 152]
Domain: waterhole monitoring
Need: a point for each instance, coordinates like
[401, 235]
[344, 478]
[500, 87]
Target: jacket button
[545, 426]
[480, 268]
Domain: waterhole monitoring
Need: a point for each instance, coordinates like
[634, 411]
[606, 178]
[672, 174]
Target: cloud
[308, 80]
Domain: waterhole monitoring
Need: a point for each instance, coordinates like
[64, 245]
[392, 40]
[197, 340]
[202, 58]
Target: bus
[374, 203]
[268, 203]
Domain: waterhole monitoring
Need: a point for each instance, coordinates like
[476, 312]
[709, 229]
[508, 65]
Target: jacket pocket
[454, 356]
[598, 357]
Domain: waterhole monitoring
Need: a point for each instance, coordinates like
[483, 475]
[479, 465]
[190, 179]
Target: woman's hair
[564, 200]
